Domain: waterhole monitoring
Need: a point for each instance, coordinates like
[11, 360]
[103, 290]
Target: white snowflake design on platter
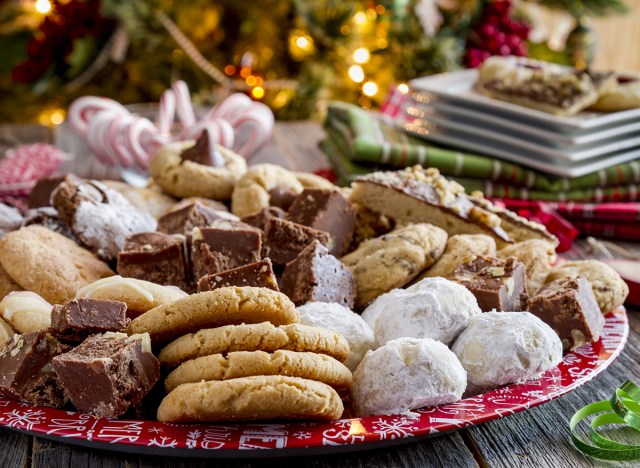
[192, 438]
[394, 428]
[156, 430]
[23, 420]
[163, 442]
[302, 435]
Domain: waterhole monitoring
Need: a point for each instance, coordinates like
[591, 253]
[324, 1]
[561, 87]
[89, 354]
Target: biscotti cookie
[460, 248]
[100, 217]
[182, 178]
[417, 195]
[608, 287]
[26, 311]
[139, 295]
[255, 337]
[251, 398]
[264, 185]
[544, 86]
[49, 264]
[310, 366]
[391, 261]
[223, 306]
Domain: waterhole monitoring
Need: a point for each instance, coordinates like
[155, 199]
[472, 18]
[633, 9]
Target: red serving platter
[306, 438]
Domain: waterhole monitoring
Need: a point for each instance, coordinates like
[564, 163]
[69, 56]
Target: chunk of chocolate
[25, 369]
[284, 240]
[281, 197]
[224, 246]
[317, 276]
[498, 284]
[569, 307]
[79, 318]
[48, 217]
[183, 221]
[156, 257]
[107, 374]
[203, 152]
[257, 275]
[40, 194]
[326, 210]
[261, 218]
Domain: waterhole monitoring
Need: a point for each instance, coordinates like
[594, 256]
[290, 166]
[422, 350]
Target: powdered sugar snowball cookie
[100, 217]
[339, 318]
[500, 348]
[432, 308]
[406, 374]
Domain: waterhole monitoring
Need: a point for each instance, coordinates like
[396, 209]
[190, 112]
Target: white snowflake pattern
[156, 430]
[192, 438]
[394, 428]
[23, 420]
[163, 442]
[302, 435]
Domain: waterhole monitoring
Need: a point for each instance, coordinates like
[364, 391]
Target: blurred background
[293, 55]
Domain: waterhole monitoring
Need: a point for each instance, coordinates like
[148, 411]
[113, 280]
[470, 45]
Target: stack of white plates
[447, 109]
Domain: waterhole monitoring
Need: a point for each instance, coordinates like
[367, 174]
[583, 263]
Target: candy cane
[166, 112]
[184, 109]
[83, 109]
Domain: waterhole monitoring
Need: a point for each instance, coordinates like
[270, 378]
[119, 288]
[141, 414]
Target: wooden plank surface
[535, 438]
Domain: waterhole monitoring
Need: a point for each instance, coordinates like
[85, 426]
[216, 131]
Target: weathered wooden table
[535, 438]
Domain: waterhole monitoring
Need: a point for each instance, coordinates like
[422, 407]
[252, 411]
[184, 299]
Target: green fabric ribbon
[622, 408]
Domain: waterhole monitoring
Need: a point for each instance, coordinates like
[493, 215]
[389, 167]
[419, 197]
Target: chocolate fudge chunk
[79, 318]
[156, 257]
[281, 198]
[326, 210]
[284, 240]
[261, 218]
[317, 276]
[183, 221]
[499, 284]
[25, 369]
[40, 194]
[569, 307]
[224, 246]
[257, 274]
[107, 374]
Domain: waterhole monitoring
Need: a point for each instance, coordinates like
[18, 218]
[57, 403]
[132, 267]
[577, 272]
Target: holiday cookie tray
[244, 440]
[458, 88]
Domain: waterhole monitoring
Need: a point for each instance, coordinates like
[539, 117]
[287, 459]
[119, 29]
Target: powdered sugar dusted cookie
[338, 318]
[499, 348]
[100, 217]
[406, 374]
[432, 308]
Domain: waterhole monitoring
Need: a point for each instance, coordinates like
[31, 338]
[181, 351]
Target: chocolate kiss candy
[203, 152]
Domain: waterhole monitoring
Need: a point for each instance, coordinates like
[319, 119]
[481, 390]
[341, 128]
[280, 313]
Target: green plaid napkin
[365, 141]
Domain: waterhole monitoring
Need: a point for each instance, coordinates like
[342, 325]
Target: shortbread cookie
[433, 308]
[255, 337]
[610, 290]
[406, 374]
[624, 95]
[460, 248]
[251, 398]
[7, 285]
[338, 318]
[264, 185]
[100, 217]
[537, 255]
[310, 366]
[139, 295]
[223, 306]
[49, 264]
[144, 199]
[312, 181]
[500, 348]
[544, 86]
[391, 261]
[417, 195]
[26, 311]
[184, 178]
